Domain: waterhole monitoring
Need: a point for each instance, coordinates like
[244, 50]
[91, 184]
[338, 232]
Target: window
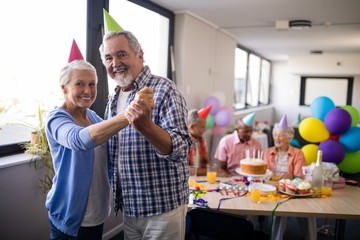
[37, 45]
[152, 33]
[252, 80]
[338, 89]
[241, 58]
[34, 48]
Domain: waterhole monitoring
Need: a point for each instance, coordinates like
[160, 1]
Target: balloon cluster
[336, 131]
[219, 117]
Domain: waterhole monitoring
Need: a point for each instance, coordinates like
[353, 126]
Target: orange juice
[326, 190]
[255, 195]
[211, 177]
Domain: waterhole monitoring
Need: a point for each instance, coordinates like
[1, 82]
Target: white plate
[264, 188]
[238, 170]
[297, 195]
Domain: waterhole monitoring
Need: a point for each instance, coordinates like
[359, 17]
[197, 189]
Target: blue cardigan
[73, 157]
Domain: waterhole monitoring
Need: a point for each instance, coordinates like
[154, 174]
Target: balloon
[355, 117]
[333, 151]
[218, 131]
[337, 121]
[295, 143]
[351, 139]
[310, 153]
[223, 118]
[320, 106]
[215, 104]
[313, 130]
[351, 163]
[210, 121]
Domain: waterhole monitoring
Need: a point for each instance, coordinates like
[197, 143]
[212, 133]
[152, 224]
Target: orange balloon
[313, 130]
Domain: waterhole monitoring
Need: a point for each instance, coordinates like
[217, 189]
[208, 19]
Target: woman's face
[80, 91]
[281, 139]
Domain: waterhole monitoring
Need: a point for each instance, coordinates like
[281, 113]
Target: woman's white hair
[67, 71]
[290, 132]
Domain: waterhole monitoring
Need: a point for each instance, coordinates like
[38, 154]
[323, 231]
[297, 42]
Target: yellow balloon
[313, 130]
[310, 153]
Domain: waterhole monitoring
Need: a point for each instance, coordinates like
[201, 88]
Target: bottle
[317, 174]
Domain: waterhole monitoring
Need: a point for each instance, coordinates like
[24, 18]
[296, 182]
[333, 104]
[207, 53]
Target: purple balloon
[333, 151]
[215, 104]
[337, 121]
[223, 118]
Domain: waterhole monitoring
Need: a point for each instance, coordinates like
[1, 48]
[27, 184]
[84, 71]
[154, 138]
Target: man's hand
[138, 113]
[146, 94]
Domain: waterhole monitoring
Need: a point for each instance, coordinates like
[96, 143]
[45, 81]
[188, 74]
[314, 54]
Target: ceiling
[335, 24]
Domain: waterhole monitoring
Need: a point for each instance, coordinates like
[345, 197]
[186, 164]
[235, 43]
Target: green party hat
[110, 24]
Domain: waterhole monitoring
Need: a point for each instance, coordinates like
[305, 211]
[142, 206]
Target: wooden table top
[342, 204]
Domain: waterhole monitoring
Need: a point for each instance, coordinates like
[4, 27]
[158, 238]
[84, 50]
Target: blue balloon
[295, 143]
[320, 106]
[351, 139]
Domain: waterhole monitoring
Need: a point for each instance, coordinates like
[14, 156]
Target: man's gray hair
[67, 71]
[193, 116]
[133, 42]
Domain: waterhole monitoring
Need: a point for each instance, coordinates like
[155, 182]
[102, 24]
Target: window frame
[94, 35]
[350, 84]
[248, 105]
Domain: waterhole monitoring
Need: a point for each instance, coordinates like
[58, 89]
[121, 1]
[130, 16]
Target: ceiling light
[299, 24]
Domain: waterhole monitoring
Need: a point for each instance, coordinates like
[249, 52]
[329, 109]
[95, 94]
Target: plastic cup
[192, 175]
[255, 193]
[211, 172]
[326, 189]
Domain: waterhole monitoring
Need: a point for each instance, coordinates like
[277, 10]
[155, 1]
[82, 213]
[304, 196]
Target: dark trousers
[85, 233]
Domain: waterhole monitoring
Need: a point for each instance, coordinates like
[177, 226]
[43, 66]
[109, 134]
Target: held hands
[138, 113]
[146, 94]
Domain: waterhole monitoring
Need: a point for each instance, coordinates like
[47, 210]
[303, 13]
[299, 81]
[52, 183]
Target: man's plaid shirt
[150, 183]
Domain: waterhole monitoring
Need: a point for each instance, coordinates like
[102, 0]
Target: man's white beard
[124, 81]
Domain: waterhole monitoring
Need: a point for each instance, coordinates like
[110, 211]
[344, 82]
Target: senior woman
[286, 162]
[78, 202]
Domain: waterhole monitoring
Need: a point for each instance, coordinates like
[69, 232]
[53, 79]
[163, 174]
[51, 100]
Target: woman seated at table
[286, 162]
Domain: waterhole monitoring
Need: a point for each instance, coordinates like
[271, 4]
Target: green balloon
[351, 163]
[210, 122]
[355, 117]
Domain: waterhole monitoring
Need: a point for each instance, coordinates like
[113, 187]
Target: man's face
[244, 132]
[197, 129]
[121, 63]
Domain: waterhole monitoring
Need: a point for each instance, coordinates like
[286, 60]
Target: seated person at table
[232, 147]
[286, 162]
[198, 155]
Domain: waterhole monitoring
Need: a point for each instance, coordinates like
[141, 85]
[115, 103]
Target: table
[341, 205]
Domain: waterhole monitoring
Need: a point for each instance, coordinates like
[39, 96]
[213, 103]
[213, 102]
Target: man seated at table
[286, 162]
[198, 155]
[232, 147]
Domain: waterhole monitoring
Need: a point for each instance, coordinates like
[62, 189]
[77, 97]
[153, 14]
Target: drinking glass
[211, 172]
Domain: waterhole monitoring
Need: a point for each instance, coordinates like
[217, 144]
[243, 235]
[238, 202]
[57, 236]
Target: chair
[217, 225]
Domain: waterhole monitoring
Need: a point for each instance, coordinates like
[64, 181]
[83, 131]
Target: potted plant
[39, 148]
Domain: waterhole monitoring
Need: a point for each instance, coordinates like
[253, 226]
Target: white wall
[204, 60]
[285, 90]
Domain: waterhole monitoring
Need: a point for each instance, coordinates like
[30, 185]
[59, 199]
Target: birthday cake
[253, 166]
